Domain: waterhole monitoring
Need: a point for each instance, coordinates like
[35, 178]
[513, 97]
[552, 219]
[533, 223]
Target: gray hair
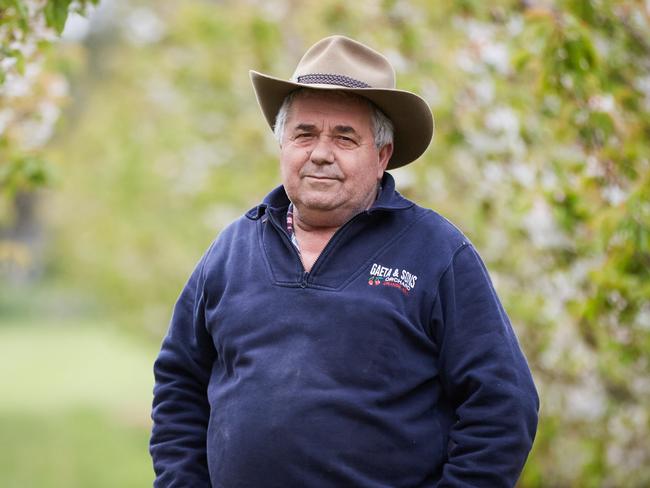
[382, 127]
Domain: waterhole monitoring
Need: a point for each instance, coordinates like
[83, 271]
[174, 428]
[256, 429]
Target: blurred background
[130, 135]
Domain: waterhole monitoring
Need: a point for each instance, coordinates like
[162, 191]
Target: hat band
[329, 79]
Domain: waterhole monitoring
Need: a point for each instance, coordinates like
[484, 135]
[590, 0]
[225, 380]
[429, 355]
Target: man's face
[329, 163]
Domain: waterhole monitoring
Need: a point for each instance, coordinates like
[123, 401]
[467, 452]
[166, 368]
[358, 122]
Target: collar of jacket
[389, 199]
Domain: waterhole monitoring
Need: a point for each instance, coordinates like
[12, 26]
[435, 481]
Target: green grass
[74, 405]
[73, 448]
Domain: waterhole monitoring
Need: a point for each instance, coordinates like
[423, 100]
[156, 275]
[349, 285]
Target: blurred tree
[30, 100]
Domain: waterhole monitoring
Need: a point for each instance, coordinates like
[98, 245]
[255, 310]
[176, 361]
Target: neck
[312, 238]
[315, 222]
[328, 221]
[314, 229]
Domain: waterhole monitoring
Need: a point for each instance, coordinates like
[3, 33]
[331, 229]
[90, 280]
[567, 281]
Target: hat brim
[409, 113]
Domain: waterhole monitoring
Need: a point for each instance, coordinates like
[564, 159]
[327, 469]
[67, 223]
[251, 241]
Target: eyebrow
[305, 127]
[345, 129]
[339, 129]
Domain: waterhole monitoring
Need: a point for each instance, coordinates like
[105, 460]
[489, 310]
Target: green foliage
[15, 14]
[24, 38]
[27, 172]
[30, 100]
[56, 13]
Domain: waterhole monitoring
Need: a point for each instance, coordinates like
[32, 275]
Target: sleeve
[181, 410]
[485, 377]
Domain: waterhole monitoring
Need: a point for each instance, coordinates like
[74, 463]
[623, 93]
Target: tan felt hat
[341, 63]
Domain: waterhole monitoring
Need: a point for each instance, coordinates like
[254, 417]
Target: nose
[322, 152]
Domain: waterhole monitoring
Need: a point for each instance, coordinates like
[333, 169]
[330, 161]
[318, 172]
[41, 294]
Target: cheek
[367, 169]
[291, 162]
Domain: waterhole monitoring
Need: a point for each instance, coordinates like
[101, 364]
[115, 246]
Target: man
[338, 335]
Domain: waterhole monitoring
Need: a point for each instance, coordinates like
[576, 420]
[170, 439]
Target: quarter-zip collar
[348, 251]
[388, 199]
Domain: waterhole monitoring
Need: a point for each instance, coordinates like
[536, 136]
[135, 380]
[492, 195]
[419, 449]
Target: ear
[384, 156]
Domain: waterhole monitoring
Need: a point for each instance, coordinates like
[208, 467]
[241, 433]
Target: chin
[318, 204]
[318, 199]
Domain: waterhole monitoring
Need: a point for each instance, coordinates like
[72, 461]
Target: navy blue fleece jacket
[391, 364]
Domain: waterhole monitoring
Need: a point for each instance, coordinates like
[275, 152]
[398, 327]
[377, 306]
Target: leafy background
[129, 135]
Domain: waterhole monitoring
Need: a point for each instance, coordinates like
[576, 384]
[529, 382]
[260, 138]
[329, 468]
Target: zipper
[283, 232]
[304, 283]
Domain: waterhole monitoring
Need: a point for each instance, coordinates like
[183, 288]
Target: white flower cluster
[30, 97]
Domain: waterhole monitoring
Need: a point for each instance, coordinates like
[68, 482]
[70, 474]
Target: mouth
[321, 178]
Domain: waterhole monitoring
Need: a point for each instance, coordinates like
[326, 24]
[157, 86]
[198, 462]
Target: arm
[180, 406]
[485, 377]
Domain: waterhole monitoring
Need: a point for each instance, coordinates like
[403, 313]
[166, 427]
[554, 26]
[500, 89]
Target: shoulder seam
[464, 245]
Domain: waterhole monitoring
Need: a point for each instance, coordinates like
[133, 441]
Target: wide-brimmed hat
[341, 63]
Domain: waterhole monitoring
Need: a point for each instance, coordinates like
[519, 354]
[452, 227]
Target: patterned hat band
[329, 79]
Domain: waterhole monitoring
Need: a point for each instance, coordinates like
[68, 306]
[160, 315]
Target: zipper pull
[303, 283]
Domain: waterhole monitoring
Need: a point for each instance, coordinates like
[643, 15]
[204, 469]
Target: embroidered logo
[394, 277]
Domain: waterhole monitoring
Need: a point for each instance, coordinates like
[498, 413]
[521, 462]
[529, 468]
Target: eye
[346, 142]
[303, 136]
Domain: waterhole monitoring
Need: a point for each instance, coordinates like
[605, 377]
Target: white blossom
[484, 90]
[404, 178]
[483, 50]
[548, 179]
[541, 226]
[643, 85]
[431, 92]
[58, 87]
[503, 119]
[435, 179]
[643, 317]
[467, 62]
[593, 167]
[7, 63]
[614, 194]
[602, 103]
[273, 10]
[15, 86]
[496, 55]
[143, 26]
[493, 172]
[219, 215]
[76, 28]
[586, 400]
[515, 25]
[524, 174]
[399, 62]
[6, 117]
[36, 131]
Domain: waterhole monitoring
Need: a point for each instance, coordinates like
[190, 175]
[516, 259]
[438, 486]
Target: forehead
[330, 109]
